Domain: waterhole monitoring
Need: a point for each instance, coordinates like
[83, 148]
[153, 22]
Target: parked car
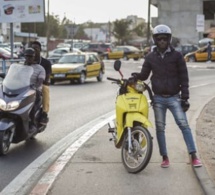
[6, 54]
[125, 52]
[59, 45]
[200, 55]
[4, 45]
[16, 46]
[77, 67]
[99, 48]
[187, 48]
[77, 44]
[59, 52]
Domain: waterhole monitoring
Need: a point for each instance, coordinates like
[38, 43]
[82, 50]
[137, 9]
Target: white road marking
[29, 177]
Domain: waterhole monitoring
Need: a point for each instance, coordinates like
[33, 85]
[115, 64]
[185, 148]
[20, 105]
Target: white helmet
[161, 29]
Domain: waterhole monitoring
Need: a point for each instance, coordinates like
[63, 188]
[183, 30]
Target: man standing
[46, 64]
[170, 84]
[209, 49]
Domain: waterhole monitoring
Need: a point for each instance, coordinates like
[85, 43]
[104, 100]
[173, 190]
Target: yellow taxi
[77, 67]
[125, 52]
[200, 55]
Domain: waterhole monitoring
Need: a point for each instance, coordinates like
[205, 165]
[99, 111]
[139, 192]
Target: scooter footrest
[111, 130]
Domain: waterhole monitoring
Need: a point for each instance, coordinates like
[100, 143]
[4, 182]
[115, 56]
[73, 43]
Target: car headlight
[139, 86]
[76, 70]
[8, 106]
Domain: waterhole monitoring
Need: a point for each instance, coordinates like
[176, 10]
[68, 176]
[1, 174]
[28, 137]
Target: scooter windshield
[17, 78]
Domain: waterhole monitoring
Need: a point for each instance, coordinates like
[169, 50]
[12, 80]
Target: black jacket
[169, 74]
[46, 64]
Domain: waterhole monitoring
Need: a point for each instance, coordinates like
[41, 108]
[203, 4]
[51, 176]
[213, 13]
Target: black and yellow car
[77, 67]
[123, 52]
[200, 55]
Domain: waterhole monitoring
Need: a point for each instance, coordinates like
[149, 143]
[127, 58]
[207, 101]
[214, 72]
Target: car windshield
[72, 59]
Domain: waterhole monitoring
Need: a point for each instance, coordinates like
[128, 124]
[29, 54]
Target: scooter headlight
[8, 106]
[139, 86]
[12, 105]
[3, 104]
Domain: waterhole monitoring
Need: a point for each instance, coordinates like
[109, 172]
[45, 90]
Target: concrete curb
[201, 173]
[29, 177]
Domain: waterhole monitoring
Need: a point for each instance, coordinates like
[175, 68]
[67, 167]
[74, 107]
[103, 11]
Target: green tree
[141, 30]
[121, 31]
[62, 28]
[56, 28]
[80, 34]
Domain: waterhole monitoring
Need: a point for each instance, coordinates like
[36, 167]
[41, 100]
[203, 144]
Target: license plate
[59, 75]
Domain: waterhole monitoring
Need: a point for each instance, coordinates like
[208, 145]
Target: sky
[99, 11]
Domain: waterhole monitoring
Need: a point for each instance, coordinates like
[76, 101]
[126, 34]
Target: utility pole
[109, 31]
[72, 31]
[149, 23]
[47, 30]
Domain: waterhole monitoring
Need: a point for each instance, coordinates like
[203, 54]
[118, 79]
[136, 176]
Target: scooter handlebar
[112, 79]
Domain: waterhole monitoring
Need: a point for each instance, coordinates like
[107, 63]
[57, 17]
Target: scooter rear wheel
[141, 151]
[5, 141]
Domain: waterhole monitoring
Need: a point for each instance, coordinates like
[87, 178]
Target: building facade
[181, 17]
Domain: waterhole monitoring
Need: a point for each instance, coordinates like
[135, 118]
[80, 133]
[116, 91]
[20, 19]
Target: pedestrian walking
[170, 85]
[209, 49]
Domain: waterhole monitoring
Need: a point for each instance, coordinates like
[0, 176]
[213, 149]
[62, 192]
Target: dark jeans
[209, 56]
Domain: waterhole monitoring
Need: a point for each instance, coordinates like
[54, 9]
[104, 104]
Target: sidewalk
[96, 168]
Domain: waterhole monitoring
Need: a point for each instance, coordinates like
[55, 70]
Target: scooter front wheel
[141, 151]
[5, 141]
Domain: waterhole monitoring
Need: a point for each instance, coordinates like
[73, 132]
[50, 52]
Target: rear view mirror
[117, 65]
[2, 75]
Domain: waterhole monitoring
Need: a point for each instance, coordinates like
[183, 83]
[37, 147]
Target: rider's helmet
[29, 52]
[161, 30]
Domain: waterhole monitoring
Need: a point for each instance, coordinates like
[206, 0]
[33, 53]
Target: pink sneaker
[165, 163]
[196, 162]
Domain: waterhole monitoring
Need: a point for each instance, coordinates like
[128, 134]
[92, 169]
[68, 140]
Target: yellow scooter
[130, 129]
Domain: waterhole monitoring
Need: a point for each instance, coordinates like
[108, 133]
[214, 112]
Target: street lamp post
[149, 23]
[72, 31]
[47, 30]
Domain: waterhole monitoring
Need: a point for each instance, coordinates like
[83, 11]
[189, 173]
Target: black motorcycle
[20, 107]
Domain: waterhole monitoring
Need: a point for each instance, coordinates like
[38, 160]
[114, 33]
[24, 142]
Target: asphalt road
[72, 106]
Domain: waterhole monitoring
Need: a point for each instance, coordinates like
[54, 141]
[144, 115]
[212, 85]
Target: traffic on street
[73, 106]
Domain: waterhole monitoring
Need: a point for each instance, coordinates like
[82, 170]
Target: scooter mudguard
[129, 121]
[6, 123]
[131, 117]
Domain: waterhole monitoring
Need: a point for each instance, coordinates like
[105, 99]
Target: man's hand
[135, 75]
[185, 105]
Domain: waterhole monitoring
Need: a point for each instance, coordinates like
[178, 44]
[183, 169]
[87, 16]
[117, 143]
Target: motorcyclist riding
[21, 102]
[36, 79]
